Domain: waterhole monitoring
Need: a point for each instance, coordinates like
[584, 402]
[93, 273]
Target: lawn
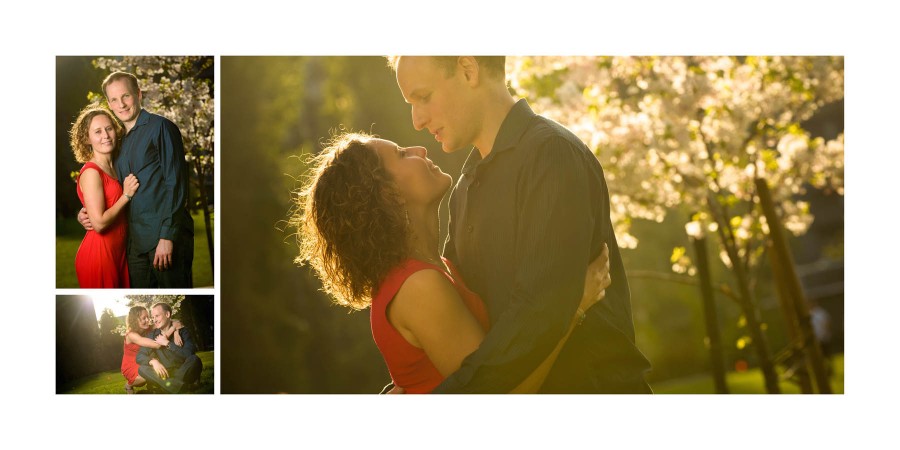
[113, 382]
[749, 382]
[69, 234]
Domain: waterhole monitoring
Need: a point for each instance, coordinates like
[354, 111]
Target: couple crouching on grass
[163, 356]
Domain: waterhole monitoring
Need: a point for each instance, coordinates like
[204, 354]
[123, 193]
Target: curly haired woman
[100, 262]
[368, 224]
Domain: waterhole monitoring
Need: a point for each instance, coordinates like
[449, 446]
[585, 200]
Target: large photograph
[134, 173]
[484, 224]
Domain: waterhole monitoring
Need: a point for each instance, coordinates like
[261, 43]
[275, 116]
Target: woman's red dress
[100, 261]
[409, 366]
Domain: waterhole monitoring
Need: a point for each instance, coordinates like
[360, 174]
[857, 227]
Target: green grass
[69, 234]
[113, 382]
[749, 382]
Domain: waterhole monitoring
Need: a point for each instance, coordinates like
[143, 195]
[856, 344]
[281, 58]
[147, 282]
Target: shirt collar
[513, 127]
[142, 119]
[511, 130]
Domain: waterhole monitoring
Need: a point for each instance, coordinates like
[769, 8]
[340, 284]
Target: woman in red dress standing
[368, 225]
[100, 261]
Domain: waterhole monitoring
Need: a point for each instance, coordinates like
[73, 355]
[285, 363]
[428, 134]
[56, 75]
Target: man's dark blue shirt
[525, 222]
[154, 152]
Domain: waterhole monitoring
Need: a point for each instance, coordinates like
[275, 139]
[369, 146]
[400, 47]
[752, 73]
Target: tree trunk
[204, 203]
[793, 328]
[813, 351]
[717, 359]
[751, 314]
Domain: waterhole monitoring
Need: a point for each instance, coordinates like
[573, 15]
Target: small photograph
[134, 171]
[134, 344]
[533, 224]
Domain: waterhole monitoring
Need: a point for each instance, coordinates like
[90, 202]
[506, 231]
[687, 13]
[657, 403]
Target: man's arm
[554, 234]
[175, 183]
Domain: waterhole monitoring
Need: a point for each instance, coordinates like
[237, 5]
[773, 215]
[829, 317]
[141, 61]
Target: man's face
[439, 103]
[125, 103]
[160, 317]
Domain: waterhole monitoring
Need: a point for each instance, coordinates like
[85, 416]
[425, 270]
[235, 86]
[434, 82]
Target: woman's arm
[134, 338]
[91, 185]
[596, 281]
[177, 336]
[429, 314]
[173, 327]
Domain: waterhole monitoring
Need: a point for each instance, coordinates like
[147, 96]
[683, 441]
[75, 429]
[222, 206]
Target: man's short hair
[165, 306]
[493, 66]
[115, 76]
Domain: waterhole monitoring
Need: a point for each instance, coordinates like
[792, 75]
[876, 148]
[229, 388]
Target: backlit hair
[129, 78]
[133, 321]
[493, 66]
[165, 306]
[350, 223]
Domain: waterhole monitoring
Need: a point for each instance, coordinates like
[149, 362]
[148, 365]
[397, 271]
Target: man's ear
[469, 67]
[140, 97]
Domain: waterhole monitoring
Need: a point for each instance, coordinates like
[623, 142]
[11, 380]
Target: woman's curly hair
[350, 222]
[78, 135]
[133, 321]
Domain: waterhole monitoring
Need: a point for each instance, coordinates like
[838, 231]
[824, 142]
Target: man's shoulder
[159, 121]
[546, 134]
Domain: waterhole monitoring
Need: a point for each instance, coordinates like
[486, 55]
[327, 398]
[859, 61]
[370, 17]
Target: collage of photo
[449, 224]
[134, 215]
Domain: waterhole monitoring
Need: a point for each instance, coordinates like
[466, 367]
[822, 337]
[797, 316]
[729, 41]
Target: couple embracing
[529, 293]
[159, 350]
[134, 189]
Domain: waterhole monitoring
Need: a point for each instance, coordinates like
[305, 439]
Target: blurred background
[180, 88]
[683, 141]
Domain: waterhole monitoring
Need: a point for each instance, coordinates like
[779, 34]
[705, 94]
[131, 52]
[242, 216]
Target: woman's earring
[407, 217]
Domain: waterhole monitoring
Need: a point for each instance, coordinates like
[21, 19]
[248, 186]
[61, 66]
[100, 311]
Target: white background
[32, 36]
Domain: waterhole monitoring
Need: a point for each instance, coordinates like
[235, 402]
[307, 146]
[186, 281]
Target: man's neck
[130, 124]
[496, 108]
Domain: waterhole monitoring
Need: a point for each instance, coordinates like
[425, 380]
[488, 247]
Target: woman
[368, 224]
[100, 261]
[137, 326]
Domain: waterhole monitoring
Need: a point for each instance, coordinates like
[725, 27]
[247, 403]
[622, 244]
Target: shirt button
[469, 228]
[476, 183]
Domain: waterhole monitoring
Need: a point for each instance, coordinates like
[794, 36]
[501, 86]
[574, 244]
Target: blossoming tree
[172, 87]
[698, 132]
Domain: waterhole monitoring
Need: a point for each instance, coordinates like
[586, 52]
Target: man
[172, 367]
[160, 228]
[528, 214]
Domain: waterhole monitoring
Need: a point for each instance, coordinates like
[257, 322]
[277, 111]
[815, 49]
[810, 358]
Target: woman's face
[144, 321]
[418, 179]
[102, 134]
